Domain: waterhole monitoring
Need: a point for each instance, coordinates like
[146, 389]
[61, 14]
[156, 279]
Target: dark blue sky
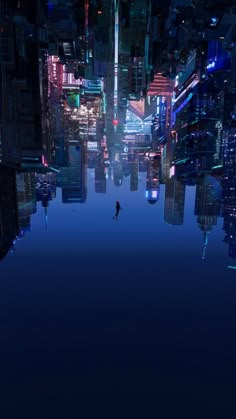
[106, 319]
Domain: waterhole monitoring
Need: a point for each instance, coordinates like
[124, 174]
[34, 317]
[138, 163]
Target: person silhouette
[118, 208]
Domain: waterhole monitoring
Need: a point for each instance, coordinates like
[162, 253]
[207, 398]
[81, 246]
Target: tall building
[73, 178]
[126, 76]
[118, 173]
[134, 163]
[55, 77]
[71, 108]
[153, 177]
[45, 191]
[199, 107]
[229, 194]
[174, 202]
[9, 144]
[101, 38]
[8, 210]
[23, 137]
[133, 50]
[55, 108]
[160, 91]
[100, 177]
[26, 194]
[207, 205]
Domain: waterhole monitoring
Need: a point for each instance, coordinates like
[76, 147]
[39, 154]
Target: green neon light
[31, 158]
[77, 101]
[93, 91]
[54, 170]
[181, 161]
[231, 267]
[218, 166]
[194, 122]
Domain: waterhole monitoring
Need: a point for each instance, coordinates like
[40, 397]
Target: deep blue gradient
[117, 319]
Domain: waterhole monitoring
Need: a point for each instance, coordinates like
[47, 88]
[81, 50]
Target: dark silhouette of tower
[26, 194]
[72, 178]
[134, 174]
[118, 173]
[153, 177]
[207, 205]
[8, 210]
[174, 202]
[100, 177]
[46, 191]
[229, 194]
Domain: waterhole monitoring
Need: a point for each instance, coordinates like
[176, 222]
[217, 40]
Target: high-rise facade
[9, 225]
[174, 202]
[73, 178]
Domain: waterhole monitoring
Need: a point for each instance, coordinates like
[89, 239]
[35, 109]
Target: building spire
[205, 243]
[46, 217]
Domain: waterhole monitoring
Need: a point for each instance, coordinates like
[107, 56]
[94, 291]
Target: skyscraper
[153, 177]
[72, 179]
[118, 173]
[229, 193]
[207, 205]
[134, 173]
[8, 210]
[26, 194]
[100, 177]
[45, 191]
[174, 202]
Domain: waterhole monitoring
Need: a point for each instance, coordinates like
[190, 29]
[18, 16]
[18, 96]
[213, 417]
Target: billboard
[218, 57]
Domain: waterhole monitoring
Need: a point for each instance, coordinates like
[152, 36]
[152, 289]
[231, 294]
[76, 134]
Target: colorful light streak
[116, 57]
[190, 86]
[184, 103]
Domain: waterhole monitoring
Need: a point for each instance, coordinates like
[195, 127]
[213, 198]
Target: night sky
[103, 318]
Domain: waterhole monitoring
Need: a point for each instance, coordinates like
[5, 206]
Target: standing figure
[118, 208]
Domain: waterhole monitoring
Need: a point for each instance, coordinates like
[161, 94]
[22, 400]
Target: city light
[184, 103]
[211, 65]
[144, 103]
[190, 86]
[116, 56]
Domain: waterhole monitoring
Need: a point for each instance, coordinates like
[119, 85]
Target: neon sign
[211, 65]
